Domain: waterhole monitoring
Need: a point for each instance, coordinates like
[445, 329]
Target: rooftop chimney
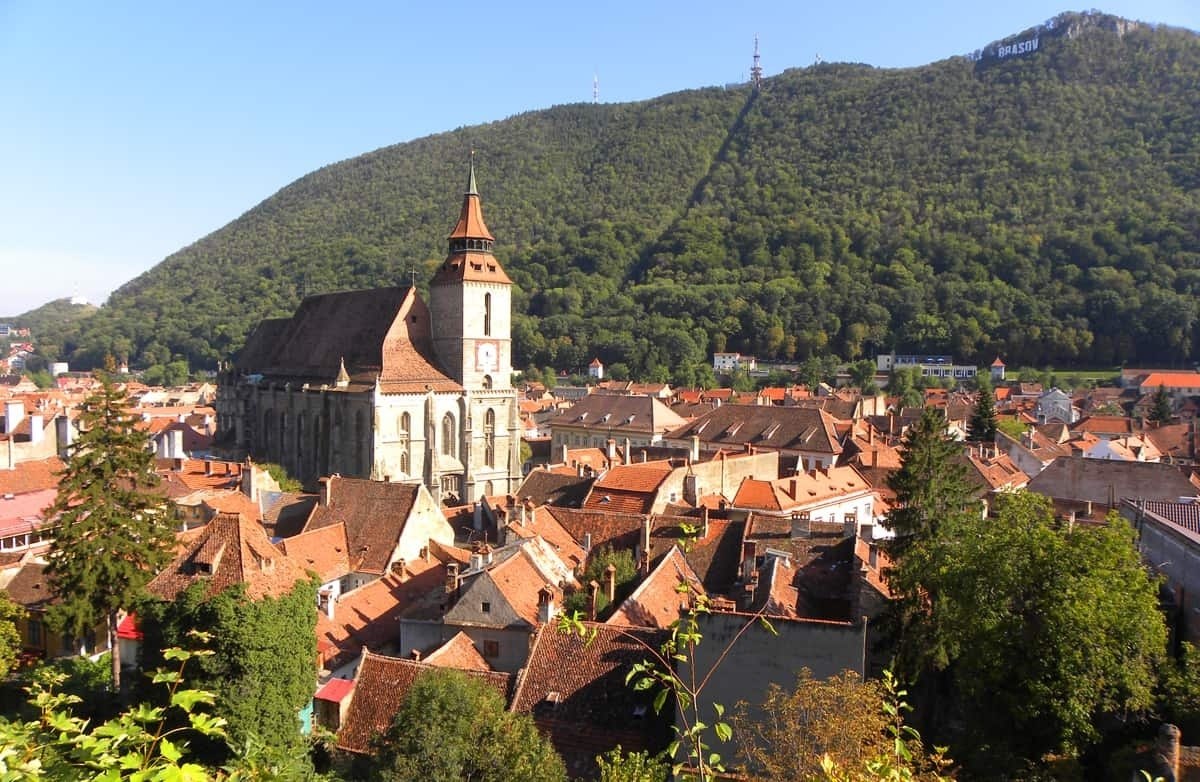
[610, 582]
[547, 609]
[452, 578]
[593, 589]
[14, 414]
[37, 428]
[611, 450]
[628, 451]
[695, 452]
[326, 489]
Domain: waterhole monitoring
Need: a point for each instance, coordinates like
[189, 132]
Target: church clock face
[485, 356]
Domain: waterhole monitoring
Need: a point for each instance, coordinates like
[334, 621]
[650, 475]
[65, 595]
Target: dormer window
[485, 607]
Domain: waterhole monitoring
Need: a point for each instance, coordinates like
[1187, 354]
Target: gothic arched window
[489, 438]
[487, 314]
[448, 435]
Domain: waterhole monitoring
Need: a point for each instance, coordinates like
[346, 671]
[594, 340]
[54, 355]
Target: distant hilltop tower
[756, 68]
[596, 88]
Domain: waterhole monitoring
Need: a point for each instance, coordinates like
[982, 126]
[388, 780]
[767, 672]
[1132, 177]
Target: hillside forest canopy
[1043, 207]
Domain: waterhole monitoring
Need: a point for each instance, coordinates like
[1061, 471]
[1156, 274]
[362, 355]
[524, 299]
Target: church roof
[381, 334]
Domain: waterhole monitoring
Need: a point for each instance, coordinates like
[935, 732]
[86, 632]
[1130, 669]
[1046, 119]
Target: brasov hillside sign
[1013, 49]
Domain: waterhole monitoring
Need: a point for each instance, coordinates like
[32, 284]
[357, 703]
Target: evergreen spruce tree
[982, 426]
[934, 501]
[110, 533]
[1161, 412]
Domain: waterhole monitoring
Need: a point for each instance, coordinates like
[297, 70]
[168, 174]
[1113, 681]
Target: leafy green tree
[144, 743]
[1049, 630]
[618, 766]
[862, 375]
[10, 638]
[982, 425]
[452, 726]
[902, 383]
[110, 533]
[262, 661]
[1161, 412]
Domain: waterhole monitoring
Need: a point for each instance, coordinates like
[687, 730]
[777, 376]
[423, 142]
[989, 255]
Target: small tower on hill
[756, 68]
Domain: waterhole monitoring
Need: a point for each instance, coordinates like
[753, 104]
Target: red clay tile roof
[31, 476]
[470, 267]
[577, 693]
[459, 652]
[374, 512]
[1104, 424]
[618, 530]
[29, 587]
[540, 522]
[1182, 514]
[233, 501]
[715, 557]
[370, 615]
[382, 334]
[380, 687]
[607, 412]
[657, 601]
[1172, 380]
[323, 551]
[228, 550]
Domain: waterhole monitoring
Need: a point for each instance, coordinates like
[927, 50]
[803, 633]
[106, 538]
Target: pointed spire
[471, 189]
[343, 377]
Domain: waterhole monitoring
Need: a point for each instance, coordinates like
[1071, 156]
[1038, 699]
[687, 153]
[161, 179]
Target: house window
[486, 607]
[491, 648]
[404, 426]
[35, 632]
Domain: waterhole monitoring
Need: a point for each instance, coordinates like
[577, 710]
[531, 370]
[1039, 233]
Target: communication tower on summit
[596, 88]
[756, 68]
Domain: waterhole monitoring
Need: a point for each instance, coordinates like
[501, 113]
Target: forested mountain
[1042, 205]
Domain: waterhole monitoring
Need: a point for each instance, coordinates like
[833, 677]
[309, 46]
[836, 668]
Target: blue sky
[129, 130]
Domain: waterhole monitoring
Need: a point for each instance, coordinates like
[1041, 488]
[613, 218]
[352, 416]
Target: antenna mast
[596, 88]
[756, 69]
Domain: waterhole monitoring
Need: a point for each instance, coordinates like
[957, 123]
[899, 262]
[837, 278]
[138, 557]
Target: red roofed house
[1177, 384]
[375, 383]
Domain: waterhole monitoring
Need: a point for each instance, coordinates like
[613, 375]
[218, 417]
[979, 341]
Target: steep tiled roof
[657, 601]
[323, 551]
[1176, 441]
[380, 687]
[29, 588]
[518, 580]
[1105, 424]
[286, 513]
[1183, 514]
[715, 557]
[1172, 380]
[228, 550]
[541, 523]
[370, 615]
[31, 476]
[459, 652]
[374, 512]
[618, 530]
[800, 490]
[628, 488]
[233, 501]
[544, 487]
[1107, 482]
[382, 334]
[779, 428]
[576, 691]
[605, 412]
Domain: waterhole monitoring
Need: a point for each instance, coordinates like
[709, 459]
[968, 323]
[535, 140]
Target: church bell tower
[470, 299]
